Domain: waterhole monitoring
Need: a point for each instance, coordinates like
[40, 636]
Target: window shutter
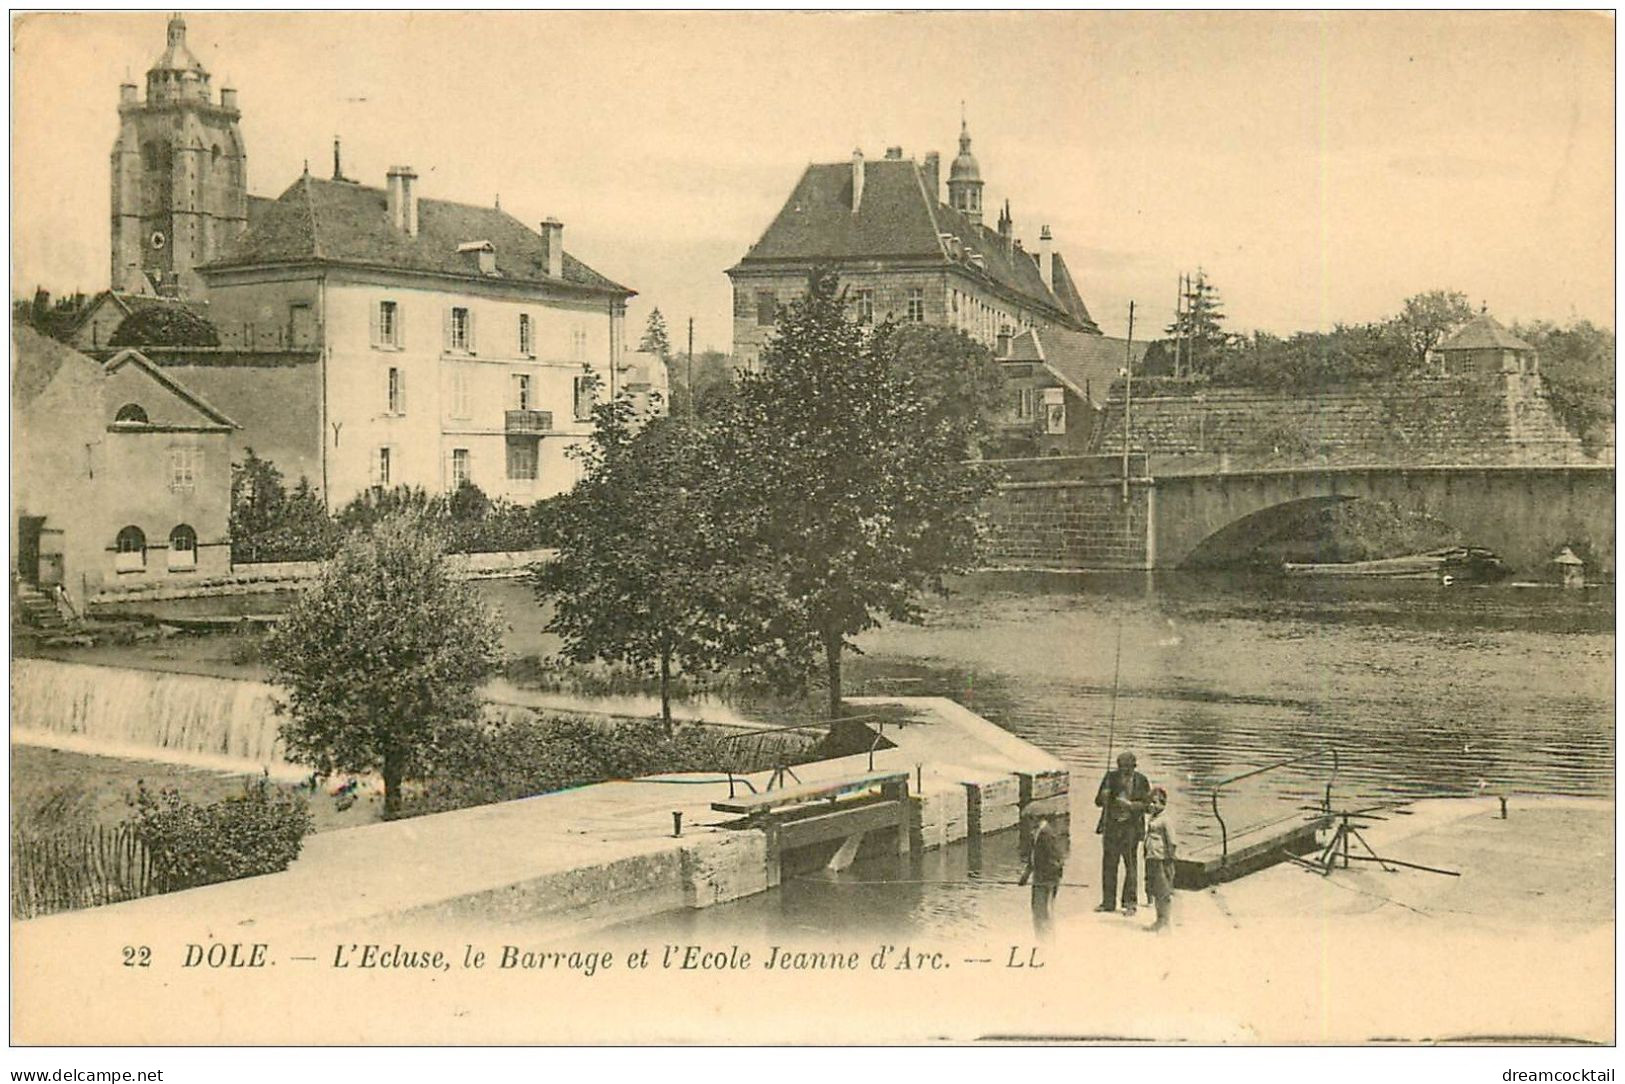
[373, 318]
[446, 327]
[471, 340]
[400, 325]
[400, 391]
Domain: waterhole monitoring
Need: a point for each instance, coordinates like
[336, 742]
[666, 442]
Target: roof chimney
[553, 247]
[1046, 258]
[894, 154]
[932, 171]
[338, 172]
[403, 201]
[228, 98]
[127, 91]
[857, 179]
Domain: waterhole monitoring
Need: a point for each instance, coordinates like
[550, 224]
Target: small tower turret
[965, 179]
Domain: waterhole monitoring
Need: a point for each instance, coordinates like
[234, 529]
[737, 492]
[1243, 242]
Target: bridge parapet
[1499, 420]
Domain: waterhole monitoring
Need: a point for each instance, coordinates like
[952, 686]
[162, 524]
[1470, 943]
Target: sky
[1319, 167]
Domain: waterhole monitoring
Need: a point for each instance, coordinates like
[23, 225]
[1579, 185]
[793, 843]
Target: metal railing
[1326, 804]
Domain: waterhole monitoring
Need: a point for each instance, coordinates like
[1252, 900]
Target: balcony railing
[528, 422]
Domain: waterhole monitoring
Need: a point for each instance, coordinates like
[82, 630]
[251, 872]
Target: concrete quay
[582, 859]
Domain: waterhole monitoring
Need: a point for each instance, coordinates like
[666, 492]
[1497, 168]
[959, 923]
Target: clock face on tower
[158, 239]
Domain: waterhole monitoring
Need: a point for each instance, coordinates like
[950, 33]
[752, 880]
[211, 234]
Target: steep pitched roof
[130, 304]
[1483, 332]
[1087, 364]
[898, 218]
[36, 358]
[214, 418]
[345, 223]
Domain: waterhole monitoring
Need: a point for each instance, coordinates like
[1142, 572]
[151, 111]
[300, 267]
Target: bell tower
[179, 172]
[965, 179]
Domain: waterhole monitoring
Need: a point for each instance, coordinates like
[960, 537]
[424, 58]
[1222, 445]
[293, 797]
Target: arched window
[131, 412]
[182, 547]
[132, 551]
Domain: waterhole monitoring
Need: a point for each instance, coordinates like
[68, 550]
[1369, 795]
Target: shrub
[502, 759]
[260, 831]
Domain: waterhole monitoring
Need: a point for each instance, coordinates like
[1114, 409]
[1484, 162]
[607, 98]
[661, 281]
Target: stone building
[1059, 383]
[364, 336]
[455, 343]
[1482, 346]
[903, 253]
[180, 175]
[120, 475]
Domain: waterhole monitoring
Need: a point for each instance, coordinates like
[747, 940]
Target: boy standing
[1160, 845]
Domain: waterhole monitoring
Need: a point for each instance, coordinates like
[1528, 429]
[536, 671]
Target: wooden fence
[83, 868]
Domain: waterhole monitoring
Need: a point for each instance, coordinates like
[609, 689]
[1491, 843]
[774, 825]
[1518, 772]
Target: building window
[380, 467]
[182, 548]
[865, 302]
[131, 550]
[185, 464]
[386, 325]
[916, 306]
[521, 460]
[131, 413]
[395, 392]
[1024, 404]
[459, 394]
[526, 346]
[579, 343]
[460, 329]
[461, 468]
[767, 307]
[521, 391]
[1055, 411]
[584, 398]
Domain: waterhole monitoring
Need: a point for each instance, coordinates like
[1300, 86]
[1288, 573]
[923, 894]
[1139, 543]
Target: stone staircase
[37, 609]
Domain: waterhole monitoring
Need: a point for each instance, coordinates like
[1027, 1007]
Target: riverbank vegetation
[833, 489]
[272, 522]
[1576, 360]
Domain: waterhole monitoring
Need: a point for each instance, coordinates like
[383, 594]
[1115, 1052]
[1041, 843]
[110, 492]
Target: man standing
[1123, 797]
[1045, 861]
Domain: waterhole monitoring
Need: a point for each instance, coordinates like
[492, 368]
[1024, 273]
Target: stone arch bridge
[1079, 514]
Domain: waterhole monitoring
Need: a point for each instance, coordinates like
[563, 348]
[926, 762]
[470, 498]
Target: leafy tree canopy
[639, 548]
[380, 657]
[846, 487]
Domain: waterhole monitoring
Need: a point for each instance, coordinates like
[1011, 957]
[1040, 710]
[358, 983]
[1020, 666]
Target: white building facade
[456, 344]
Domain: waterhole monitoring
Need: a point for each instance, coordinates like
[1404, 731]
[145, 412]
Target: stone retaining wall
[1501, 420]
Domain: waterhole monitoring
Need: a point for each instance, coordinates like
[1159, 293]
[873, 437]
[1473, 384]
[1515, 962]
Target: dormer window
[485, 255]
[130, 414]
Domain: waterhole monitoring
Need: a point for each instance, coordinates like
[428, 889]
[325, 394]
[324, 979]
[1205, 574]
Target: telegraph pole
[1128, 394]
[691, 366]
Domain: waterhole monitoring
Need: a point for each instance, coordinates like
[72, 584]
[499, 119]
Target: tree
[655, 340]
[1429, 317]
[269, 523]
[956, 377]
[846, 497]
[380, 658]
[713, 375]
[1577, 368]
[1204, 341]
[639, 552]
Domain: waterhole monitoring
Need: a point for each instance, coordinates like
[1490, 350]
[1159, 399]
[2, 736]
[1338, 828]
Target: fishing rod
[1117, 673]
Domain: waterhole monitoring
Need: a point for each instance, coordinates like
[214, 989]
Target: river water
[1422, 689]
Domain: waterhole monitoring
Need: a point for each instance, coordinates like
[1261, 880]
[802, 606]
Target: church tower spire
[180, 174]
[965, 179]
